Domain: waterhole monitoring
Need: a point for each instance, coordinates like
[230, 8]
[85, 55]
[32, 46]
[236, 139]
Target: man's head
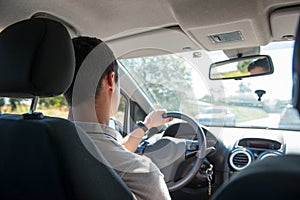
[259, 66]
[83, 46]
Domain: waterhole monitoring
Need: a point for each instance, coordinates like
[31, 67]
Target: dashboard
[248, 150]
[248, 145]
[236, 149]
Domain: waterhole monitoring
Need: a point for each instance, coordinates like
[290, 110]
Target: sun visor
[156, 42]
[284, 23]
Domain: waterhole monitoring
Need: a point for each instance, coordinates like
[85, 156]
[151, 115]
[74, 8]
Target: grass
[247, 113]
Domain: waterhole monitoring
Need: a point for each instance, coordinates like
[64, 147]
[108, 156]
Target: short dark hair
[263, 62]
[83, 46]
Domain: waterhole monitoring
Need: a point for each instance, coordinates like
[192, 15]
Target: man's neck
[86, 112]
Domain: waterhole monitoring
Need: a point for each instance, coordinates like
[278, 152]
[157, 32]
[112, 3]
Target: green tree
[2, 103]
[122, 104]
[206, 98]
[166, 79]
[14, 102]
[243, 88]
[55, 102]
[243, 66]
[44, 102]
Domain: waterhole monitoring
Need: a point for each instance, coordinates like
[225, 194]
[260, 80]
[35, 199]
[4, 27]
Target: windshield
[213, 111]
[179, 82]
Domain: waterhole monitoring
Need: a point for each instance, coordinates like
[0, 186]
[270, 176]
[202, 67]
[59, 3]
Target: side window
[120, 115]
[136, 114]
[54, 106]
[118, 121]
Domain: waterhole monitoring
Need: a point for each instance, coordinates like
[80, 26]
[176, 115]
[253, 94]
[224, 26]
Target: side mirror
[244, 67]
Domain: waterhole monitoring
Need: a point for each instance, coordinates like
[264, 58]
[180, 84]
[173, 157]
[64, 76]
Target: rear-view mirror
[244, 67]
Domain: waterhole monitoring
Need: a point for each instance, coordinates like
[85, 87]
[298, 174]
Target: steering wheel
[168, 153]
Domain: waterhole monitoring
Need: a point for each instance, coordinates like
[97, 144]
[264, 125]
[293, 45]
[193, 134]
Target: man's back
[140, 174]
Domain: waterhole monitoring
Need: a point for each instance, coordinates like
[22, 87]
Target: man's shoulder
[100, 129]
[120, 158]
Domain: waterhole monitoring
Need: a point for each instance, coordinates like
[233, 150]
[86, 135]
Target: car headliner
[111, 20]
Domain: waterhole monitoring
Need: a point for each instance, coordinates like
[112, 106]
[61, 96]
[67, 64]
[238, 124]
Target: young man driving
[93, 98]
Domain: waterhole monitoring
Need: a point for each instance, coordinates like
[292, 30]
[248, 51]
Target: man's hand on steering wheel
[168, 152]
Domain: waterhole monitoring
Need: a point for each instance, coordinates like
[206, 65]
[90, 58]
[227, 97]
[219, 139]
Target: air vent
[240, 159]
[268, 154]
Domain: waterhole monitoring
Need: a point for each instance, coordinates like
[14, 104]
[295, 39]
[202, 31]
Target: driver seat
[45, 157]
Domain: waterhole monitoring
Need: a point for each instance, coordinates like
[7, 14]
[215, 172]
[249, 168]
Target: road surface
[271, 121]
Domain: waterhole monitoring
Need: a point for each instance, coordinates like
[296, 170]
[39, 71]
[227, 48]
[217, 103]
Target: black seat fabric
[271, 178]
[45, 157]
[35, 59]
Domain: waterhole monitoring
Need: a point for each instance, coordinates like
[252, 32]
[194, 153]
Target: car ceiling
[116, 20]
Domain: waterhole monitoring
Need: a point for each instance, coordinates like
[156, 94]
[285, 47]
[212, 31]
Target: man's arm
[153, 119]
[147, 186]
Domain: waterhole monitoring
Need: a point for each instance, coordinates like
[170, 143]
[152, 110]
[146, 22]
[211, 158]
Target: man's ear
[111, 80]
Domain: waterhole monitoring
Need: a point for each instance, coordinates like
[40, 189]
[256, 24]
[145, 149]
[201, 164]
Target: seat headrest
[36, 59]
